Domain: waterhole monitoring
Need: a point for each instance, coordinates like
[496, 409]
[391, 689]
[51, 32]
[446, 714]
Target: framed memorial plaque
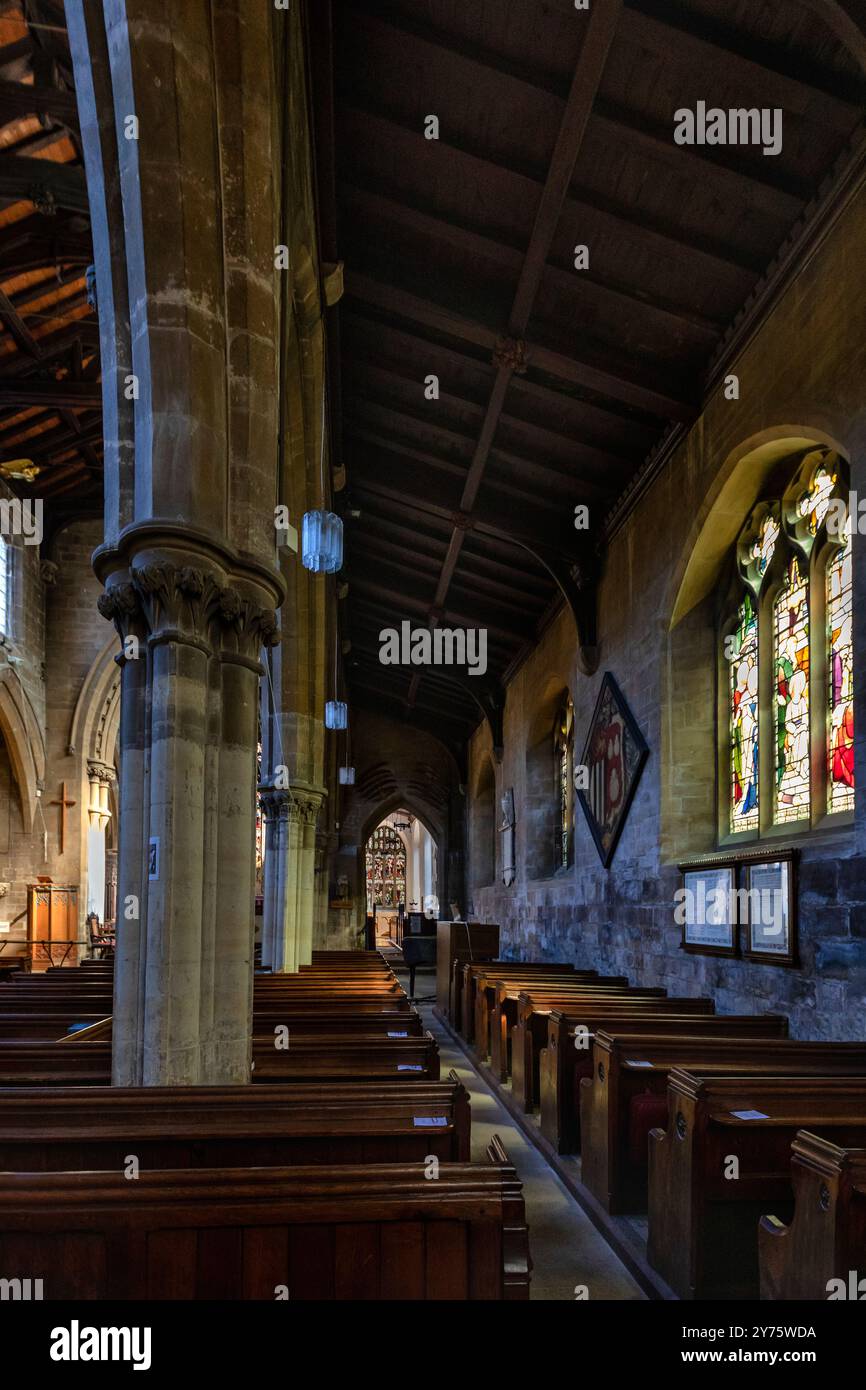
[770, 931]
[706, 908]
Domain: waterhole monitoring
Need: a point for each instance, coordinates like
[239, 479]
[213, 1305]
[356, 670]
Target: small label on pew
[398, 1035]
[633, 1063]
[749, 1115]
[409, 1066]
[430, 1121]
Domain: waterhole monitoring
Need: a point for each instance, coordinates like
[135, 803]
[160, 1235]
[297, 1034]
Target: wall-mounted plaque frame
[760, 923]
[707, 908]
[770, 933]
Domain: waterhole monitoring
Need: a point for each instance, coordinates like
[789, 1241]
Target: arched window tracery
[786, 671]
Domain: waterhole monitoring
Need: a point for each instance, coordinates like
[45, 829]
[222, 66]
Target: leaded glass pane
[791, 660]
[743, 656]
[386, 869]
[840, 671]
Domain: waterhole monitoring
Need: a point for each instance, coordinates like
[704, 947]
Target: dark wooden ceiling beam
[603, 413]
[598, 37]
[531, 467]
[603, 381]
[538, 518]
[666, 240]
[547, 436]
[398, 595]
[18, 328]
[501, 556]
[23, 99]
[24, 392]
[16, 50]
[779, 196]
[63, 184]
[567, 282]
[688, 40]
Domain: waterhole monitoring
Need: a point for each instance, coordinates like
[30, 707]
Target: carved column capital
[166, 602]
[275, 803]
[245, 626]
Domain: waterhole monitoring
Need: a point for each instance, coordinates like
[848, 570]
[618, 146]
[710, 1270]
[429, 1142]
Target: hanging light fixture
[336, 714]
[347, 777]
[322, 531]
[322, 542]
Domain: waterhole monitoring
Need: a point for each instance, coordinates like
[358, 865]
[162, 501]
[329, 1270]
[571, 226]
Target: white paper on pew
[430, 1121]
[398, 1035]
[406, 1066]
[749, 1115]
[632, 1063]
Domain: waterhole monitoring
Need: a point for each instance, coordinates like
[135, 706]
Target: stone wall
[801, 378]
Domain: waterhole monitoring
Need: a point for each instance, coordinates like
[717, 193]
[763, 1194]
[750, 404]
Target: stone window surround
[815, 567]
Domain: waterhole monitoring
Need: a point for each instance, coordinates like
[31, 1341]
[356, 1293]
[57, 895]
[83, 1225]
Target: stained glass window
[840, 672]
[791, 664]
[814, 504]
[565, 822]
[777, 645]
[386, 869]
[4, 586]
[764, 545]
[742, 651]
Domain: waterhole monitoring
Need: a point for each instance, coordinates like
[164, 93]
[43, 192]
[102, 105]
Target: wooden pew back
[368, 1232]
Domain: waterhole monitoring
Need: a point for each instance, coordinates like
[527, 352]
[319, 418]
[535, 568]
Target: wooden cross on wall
[62, 803]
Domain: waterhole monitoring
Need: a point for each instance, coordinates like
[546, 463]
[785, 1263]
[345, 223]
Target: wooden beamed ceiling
[555, 384]
[51, 442]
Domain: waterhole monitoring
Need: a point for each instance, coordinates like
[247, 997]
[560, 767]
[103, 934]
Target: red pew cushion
[645, 1112]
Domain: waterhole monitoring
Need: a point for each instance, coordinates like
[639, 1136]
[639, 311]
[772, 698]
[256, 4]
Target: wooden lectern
[461, 941]
[52, 925]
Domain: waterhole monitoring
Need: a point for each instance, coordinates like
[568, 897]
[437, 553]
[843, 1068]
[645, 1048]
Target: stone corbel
[578, 582]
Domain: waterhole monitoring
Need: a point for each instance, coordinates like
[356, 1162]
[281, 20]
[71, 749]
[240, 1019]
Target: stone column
[100, 777]
[303, 810]
[183, 999]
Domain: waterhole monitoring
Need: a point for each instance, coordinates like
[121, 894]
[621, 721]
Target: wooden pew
[524, 1017]
[703, 1226]
[561, 1066]
[626, 1095]
[44, 1026]
[71, 1063]
[486, 982]
[56, 1129]
[308, 1058]
[472, 968]
[826, 1240]
[399, 1022]
[502, 1007]
[353, 1056]
[355, 1232]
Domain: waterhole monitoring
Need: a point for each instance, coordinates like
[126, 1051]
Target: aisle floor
[567, 1250]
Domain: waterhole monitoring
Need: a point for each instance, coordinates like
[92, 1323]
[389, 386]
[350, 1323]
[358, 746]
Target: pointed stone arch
[24, 743]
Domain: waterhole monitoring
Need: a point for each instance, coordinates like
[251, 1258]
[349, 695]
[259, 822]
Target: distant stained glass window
[386, 869]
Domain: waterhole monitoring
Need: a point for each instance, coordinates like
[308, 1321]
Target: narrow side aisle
[567, 1250]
